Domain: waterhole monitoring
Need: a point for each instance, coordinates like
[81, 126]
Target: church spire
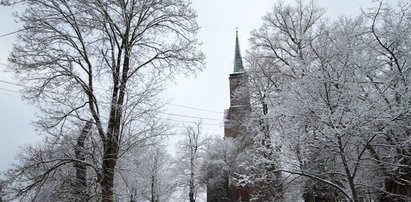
[238, 61]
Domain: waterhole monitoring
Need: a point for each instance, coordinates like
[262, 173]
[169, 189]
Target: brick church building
[239, 98]
[234, 126]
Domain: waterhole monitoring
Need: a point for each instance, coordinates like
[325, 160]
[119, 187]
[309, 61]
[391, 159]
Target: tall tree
[103, 60]
[217, 169]
[389, 40]
[51, 170]
[279, 56]
[189, 159]
[339, 97]
[155, 181]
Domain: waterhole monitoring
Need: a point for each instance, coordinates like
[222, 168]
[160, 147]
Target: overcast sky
[208, 91]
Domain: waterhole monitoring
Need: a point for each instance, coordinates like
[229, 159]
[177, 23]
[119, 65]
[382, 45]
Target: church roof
[238, 61]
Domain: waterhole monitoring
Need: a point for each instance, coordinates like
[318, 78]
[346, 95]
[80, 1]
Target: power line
[171, 104]
[171, 114]
[193, 108]
[186, 116]
[8, 82]
[9, 95]
[209, 124]
[5, 89]
[203, 127]
[180, 115]
[10, 33]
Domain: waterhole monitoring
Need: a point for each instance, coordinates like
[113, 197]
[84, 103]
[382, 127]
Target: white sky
[209, 90]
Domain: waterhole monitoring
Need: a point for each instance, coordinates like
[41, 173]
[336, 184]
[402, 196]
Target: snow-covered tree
[146, 174]
[189, 158]
[390, 79]
[337, 94]
[218, 168]
[103, 61]
[64, 169]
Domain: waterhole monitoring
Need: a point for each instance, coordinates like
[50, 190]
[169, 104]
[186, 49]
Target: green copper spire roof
[238, 62]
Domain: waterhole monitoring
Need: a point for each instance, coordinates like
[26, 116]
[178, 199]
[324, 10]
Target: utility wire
[179, 115]
[8, 82]
[5, 89]
[193, 108]
[186, 116]
[171, 104]
[209, 124]
[9, 95]
[10, 33]
[175, 120]
[171, 114]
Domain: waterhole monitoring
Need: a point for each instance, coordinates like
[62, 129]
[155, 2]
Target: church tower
[220, 187]
[234, 117]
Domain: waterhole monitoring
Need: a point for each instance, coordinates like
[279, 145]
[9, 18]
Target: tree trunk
[350, 177]
[80, 166]
[191, 195]
[191, 192]
[154, 195]
[112, 145]
[109, 164]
